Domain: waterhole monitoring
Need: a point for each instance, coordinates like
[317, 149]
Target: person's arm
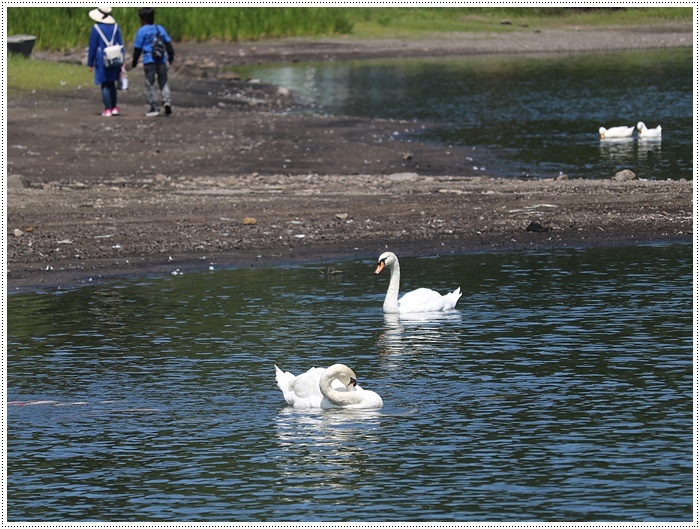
[135, 59]
[120, 40]
[92, 48]
[168, 44]
[171, 51]
[138, 46]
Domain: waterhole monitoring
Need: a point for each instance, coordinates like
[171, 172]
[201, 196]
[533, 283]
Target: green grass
[61, 28]
[422, 22]
[26, 74]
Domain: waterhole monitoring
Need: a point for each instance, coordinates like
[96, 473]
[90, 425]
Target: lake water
[526, 115]
[560, 390]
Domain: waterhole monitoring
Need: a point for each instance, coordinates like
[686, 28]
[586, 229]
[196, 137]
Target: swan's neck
[338, 398]
[391, 301]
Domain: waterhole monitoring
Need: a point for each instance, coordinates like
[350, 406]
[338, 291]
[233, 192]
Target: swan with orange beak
[419, 300]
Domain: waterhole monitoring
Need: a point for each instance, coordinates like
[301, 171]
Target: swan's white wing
[426, 300]
[300, 391]
[305, 389]
[306, 384]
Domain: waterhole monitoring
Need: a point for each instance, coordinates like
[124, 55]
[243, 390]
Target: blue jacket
[143, 42]
[103, 74]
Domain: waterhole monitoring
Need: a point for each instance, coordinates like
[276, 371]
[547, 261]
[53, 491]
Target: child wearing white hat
[105, 31]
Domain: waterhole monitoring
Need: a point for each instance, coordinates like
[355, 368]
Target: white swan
[615, 132]
[420, 300]
[645, 133]
[332, 387]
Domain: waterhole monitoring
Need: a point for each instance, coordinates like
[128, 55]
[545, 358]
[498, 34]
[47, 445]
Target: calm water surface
[535, 115]
[561, 390]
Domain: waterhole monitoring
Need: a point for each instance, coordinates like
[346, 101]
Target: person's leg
[164, 87]
[112, 90]
[149, 75]
[106, 99]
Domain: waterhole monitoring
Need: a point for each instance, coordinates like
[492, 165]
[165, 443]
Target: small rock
[249, 221]
[342, 216]
[562, 177]
[18, 232]
[17, 181]
[402, 177]
[536, 227]
[229, 76]
[624, 175]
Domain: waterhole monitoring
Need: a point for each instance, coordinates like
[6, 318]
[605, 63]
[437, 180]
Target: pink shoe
[107, 114]
[115, 111]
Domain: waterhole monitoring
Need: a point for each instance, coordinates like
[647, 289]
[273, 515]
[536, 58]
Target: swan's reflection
[648, 148]
[417, 331]
[319, 444]
[334, 426]
[617, 148]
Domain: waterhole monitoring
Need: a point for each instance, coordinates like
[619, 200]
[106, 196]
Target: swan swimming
[420, 300]
[332, 387]
[645, 133]
[615, 132]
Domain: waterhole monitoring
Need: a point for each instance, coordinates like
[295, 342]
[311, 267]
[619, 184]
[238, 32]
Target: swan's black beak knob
[380, 266]
[353, 382]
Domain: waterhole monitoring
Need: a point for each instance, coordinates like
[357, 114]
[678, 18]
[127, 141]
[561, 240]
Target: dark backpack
[158, 47]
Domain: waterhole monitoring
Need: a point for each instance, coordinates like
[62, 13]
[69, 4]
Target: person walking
[154, 67]
[105, 33]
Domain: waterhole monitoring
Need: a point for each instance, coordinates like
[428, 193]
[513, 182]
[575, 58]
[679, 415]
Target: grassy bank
[417, 22]
[61, 28]
[27, 75]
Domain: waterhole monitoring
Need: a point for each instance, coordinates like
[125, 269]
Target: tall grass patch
[61, 28]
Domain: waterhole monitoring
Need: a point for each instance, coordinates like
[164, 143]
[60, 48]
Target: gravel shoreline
[217, 195]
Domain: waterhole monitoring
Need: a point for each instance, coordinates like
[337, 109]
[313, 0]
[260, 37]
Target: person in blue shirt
[105, 77]
[152, 69]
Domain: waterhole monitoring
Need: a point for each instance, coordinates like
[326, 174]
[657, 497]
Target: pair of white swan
[336, 386]
[626, 132]
[332, 387]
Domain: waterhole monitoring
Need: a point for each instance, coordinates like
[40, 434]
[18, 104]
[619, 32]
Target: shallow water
[525, 115]
[560, 390]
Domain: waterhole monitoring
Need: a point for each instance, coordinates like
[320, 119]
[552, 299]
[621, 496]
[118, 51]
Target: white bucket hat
[102, 14]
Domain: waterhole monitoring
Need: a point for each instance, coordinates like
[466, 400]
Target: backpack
[112, 54]
[158, 47]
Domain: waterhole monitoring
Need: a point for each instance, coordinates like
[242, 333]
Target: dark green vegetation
[60, 28]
